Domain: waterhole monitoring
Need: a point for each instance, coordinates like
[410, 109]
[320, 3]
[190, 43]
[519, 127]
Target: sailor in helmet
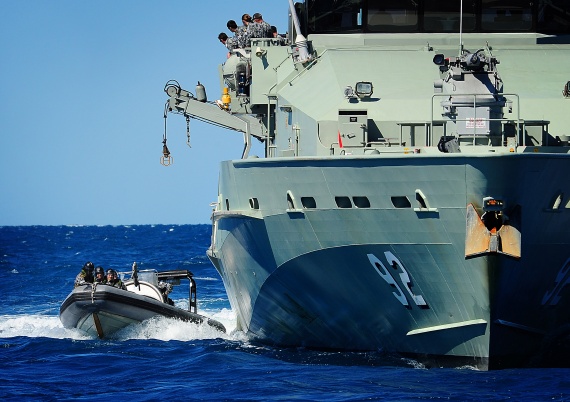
[113, 279]
[86, 274]
[99, 275]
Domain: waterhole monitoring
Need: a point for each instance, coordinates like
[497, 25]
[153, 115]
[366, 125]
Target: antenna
[460, 27]
[300, 40]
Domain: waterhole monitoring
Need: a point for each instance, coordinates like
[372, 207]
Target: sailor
[113, 280]
[86, 274]
[246, 19]
[229, 43]
[258, 29]
[240, 33]
[275, 34]
[99, 275]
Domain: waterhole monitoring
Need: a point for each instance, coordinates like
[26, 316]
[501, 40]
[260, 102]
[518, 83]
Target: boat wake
[161, 328]
[169, 329]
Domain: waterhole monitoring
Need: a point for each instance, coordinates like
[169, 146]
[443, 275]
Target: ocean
[164, 359]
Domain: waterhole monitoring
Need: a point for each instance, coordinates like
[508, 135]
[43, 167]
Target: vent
[308, 202]
[401, 202]
[343, 202]
[253, 203]
[290, 200]
[361, 202]
[421, 199]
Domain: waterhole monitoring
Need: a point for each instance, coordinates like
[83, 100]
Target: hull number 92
[405, 280]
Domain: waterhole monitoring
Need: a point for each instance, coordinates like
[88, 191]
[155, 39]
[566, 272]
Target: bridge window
[443, 16]
[341, 16]
[355, 16]
[553, 16]
[393, 16]
[501, 15]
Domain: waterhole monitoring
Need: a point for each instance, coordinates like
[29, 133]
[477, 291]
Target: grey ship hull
[394, 277]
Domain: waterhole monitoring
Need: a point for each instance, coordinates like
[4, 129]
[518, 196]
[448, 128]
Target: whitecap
[35, 326]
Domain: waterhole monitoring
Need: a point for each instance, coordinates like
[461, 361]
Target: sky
[82, 103]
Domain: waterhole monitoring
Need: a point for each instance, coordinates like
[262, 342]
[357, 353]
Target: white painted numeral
[404, 277]
[562, 279]
[418, 299]
[383, 272]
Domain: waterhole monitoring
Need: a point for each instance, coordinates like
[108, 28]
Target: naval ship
[413, 196]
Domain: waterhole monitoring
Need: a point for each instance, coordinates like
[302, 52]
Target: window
[501, 15]
[553, 16]
[355, 16]
[340, 16]
[444, 16]
[393, 16]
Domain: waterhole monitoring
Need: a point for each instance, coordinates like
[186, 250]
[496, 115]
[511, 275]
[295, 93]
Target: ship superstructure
[413, 195]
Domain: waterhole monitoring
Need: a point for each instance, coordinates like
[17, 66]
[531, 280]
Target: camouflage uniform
[258, 30]
[240, 37]
[85, 276]
[113, 280]
[231, 44]
[117, 283]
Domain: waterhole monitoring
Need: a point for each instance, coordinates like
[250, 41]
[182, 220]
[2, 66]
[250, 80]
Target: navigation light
[364, 89]
[439, 59]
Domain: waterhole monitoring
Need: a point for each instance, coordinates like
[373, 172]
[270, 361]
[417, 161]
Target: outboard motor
[473, 104]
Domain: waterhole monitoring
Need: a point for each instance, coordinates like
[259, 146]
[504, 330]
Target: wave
[159, 328]
[36, 326]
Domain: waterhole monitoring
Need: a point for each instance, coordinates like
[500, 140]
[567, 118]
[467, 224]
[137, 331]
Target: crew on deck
[99, 275]
[240, 33]
[254, 27]
[113, 280]
[258, 29]
[229, 43]
[86, 274]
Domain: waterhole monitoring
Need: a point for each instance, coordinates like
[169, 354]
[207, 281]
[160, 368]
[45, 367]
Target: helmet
[99, 270]
[111, 271]
[89, 266]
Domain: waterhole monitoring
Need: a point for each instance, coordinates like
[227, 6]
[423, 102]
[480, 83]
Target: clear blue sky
[81, 109]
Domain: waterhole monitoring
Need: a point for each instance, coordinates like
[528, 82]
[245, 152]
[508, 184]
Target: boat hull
[105, 310]
[393, 277]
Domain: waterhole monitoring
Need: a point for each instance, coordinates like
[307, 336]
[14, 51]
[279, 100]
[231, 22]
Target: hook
[165, 159]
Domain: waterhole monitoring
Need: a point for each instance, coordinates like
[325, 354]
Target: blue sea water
[165, 359]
